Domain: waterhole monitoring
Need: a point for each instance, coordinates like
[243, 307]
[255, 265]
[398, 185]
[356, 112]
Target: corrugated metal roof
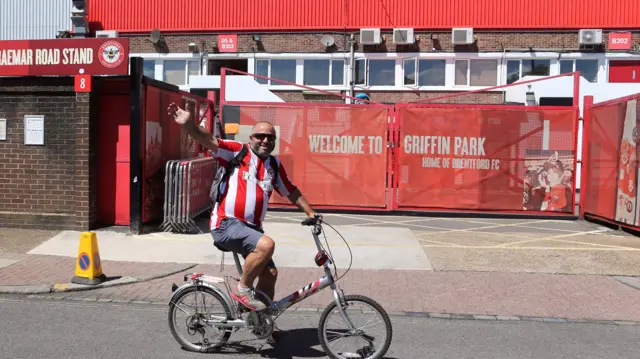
[34, 19]
[219, 15]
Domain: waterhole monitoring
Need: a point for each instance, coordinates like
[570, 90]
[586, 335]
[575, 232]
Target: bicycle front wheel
[333, 328]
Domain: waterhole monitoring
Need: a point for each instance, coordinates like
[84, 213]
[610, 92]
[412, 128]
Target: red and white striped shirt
[246, 195]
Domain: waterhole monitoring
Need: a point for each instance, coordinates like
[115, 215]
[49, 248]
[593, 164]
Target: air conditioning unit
[590, 36]
[462, 36]
[403, 36]
[370, 36]
[107, 33]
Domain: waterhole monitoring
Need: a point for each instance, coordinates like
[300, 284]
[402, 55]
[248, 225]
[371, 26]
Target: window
[476, 72]
[375, 72]
[429, 72]
[284, 70]
[177, 71]
[588, 68]
[323, 72]
[360, 79]
[149, 68]
[517, 69]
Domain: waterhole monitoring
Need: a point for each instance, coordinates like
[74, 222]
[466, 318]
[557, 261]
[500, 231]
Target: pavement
[132, 331]
[485, 269]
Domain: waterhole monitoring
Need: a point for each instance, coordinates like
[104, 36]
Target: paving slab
[596, 261]
[7, 262]
[371, 247]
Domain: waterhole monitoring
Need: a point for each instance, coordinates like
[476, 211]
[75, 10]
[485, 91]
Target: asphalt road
[69, 329]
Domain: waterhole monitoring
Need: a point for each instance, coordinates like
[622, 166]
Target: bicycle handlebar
[311, 221]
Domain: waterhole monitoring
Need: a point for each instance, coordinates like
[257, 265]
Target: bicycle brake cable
[348, 247]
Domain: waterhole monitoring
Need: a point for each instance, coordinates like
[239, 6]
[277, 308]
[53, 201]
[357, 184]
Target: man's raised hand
[180, 116]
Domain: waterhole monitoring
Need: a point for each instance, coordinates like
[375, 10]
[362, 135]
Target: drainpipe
[351, 67]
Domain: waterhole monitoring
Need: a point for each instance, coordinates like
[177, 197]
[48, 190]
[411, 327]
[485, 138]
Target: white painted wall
[238, 88]
[563, 87]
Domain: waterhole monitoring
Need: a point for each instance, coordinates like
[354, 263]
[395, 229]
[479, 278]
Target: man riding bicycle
[236, 220]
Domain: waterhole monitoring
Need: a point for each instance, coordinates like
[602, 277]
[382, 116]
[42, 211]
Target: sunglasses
[262, 136]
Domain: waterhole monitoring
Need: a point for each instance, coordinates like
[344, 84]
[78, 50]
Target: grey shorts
[238, 237]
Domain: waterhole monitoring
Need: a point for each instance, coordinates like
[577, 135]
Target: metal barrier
[610, 179]
[186, 193]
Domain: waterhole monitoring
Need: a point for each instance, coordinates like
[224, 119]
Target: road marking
[552, 229]
[591, 244]
[478, 228]
[445, 243]
[488, 233]
[540, 248]
[287, 218]
[552, 237]
[389, 222]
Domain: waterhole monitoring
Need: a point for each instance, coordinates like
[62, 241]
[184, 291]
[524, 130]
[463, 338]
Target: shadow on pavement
[294, 343]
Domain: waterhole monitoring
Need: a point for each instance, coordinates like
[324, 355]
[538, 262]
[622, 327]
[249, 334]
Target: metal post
[136, 153]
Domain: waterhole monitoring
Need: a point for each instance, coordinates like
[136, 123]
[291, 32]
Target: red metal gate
[427, 157]
[486, 157]
[610, 182]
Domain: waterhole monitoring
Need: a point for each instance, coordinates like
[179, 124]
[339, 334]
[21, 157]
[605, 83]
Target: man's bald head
[263, 138]
[263, 127]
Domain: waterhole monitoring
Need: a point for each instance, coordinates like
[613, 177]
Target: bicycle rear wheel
[366, 348]
[196, 317]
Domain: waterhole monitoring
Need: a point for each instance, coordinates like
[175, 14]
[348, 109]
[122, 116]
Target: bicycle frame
[277, 307]
[312, 288]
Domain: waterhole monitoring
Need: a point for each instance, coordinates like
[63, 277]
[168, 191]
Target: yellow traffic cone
[88, 264]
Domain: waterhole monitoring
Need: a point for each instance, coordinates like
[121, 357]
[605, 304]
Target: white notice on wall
[34, 130]
[3, 129]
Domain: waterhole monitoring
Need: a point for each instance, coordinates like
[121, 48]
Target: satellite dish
[328, 40]
[155, 36]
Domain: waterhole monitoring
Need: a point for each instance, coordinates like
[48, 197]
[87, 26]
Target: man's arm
[199, 134]
[298, 199]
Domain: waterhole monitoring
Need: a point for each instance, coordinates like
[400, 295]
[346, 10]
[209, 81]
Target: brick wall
[310, 42]
[45, 186]
[398, 96]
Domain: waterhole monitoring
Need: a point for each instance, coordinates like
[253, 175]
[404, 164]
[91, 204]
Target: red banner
[487, 159]
[163, 140]
[64, 57]
[337, 155]
[200, 176]
[611, 184]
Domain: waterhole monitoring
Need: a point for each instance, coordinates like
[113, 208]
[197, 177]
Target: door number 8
[83, 84]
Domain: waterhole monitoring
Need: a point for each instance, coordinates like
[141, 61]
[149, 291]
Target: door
[235, 64]
[113, 155]
[624, 71]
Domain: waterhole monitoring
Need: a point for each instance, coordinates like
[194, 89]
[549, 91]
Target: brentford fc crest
[111, 54]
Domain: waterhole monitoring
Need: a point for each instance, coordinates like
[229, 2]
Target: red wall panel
[171, 15]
